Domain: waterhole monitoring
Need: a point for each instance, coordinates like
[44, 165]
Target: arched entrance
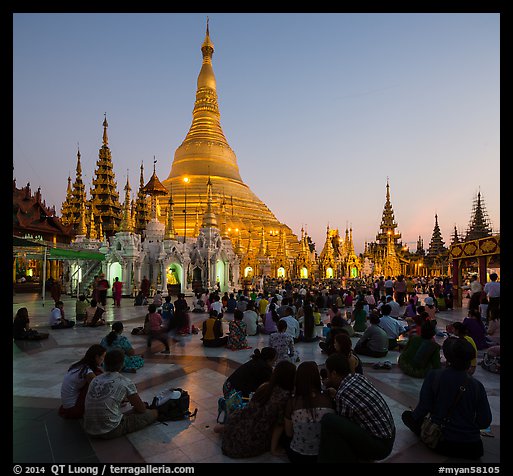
[329, 273]
[303, 273]
[280, 273]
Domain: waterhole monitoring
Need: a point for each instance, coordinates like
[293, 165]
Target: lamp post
[186, 180]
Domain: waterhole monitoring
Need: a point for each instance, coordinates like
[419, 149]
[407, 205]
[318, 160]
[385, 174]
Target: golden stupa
[205, 154]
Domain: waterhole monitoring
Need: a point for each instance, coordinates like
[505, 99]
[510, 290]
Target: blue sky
[319, 108]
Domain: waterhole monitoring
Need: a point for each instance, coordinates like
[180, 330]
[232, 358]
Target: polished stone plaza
[41, 436]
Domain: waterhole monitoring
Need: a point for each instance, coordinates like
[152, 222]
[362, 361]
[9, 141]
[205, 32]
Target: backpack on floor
[491, 363]
[173, 405]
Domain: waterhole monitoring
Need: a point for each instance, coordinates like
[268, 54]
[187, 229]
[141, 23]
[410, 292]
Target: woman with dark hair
[237, 332]
[249, 376]
[421, 353]
[21, 327]
[212, 329]
[309, 333]
[76, 382]
[114, 340]
[476, 329]
[303, 414]
[453, 391]
[271, 320]
[344, 346]
[256, 428]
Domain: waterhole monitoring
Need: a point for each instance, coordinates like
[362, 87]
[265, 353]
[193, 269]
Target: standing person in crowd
[103, 286]
[389, 286]
[212, 329]
[452, 391]
[303, 414]
[256, 428]
[155, 329]
[57, 319]
[56, 290]
[262, 307]
[81, 305]
[237, 332]
[363, 427]
[374, 341]
[421, 353]
[448, 293]
[250, 375]
[145, 287]
[400, 290]
[103, 417]
[168, 312]
[476, 288]
[493, 291]
[76, 382]
[114, 340]
[117, 291]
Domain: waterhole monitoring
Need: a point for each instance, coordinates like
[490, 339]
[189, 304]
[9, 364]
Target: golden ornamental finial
[105, 125]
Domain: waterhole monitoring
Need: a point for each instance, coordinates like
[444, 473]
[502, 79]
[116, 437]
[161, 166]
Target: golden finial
[105, 125]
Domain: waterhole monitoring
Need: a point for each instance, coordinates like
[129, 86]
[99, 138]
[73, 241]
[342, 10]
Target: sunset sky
[319, 108]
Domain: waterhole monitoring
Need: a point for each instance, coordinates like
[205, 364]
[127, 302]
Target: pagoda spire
[142, 214]
[105, 125]
[104, 192]
[66, 212]
[170, 232]
[126, 223]
[82, 227]
[479, 225]
[209, 218]
[388, 223]
[437, 245]
[74, 198]
[92, 228]
[455, 238]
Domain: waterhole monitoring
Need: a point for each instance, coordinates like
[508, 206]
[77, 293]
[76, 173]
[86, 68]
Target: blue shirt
[471, 413]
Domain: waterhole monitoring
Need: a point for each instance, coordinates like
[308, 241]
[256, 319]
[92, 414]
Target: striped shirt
[359, 401]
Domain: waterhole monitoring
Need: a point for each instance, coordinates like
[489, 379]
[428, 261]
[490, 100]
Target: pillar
[482, 269]
[456, 283]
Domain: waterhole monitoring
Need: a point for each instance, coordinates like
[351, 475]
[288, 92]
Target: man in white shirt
[394, 306]
[251, 320]
[391, 326]
[292, 324]
[57, 320]
[103, 417]
[493, 291]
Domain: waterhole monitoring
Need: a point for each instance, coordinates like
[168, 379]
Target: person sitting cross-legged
[363, 427]
[103, 417]
[452, 390]
[421, 353]
[114, 340]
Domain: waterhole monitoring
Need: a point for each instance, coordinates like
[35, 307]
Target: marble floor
[41, 436]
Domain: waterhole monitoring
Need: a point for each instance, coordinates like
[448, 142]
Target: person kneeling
[103, 417]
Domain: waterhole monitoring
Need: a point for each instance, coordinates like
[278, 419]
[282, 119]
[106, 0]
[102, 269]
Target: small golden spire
[105, 125]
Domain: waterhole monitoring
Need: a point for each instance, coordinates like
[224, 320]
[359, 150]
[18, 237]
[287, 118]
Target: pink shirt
[155, 320]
